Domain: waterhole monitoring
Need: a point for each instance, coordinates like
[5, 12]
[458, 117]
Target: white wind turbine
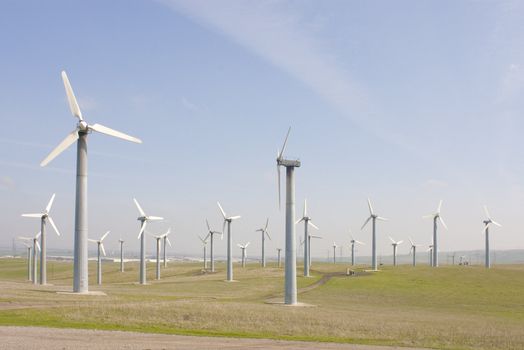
[204, 245]
[265, 233]
[80, 269]
[488, 221]
[100, 246]
[228, 220]
[166, 242]
[210, 235]
[31, 256]
[244, 255]
[307, 222]
[290, 289]
[121, 241]
[144, 219]
[394, 244]
[353, 241]
[436, 217]
[373, 217]
[279, 250]
[44, 217]
[159, 238]
[413, 250]
[334, 253]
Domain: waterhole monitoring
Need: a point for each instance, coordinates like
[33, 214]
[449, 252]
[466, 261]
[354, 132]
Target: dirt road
[55, 338]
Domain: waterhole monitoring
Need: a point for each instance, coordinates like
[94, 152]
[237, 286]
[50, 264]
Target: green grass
[451, 307]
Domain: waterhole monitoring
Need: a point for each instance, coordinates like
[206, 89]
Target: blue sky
[405, 102]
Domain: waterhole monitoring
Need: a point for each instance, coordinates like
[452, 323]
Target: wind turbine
[264, 232]
[436, 217]
[243, 247]
[121, 241]
[394, 244]
[488, 221]
[307, 222]
[144, 219]
[309, 251]
[166, 240]
[373, 217]
[100, 246]
[158, 242]
[210, 234]
[80, 281]
[204, 245]
[413, 250]
[44, 217]
[279, 250]
[290, 295]
[353, 241]
[25, 241]
[334, 253]
[36, 246]
[228, 220]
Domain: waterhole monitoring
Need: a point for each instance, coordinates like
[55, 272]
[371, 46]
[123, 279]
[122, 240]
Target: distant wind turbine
[30, 253]
[44, 217]
[394, 244]
[279, 250]
[307, 222]
[436, 217]
[413, 250]
[210, 236]
[488, 221]
[144, 219]
[373, 217]
[353, 241]
[100, 246]
[121, 241]
[244, 256]
[334, 253]
[265, 233]
[80, 268]
[227, 221]
[159, 238]
[204, 245]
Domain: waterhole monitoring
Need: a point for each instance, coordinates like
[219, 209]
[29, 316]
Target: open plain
[453, 307]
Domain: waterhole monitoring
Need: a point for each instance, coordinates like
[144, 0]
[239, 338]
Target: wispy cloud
[278, 34]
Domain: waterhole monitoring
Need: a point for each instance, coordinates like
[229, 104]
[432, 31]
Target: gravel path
[13, 338]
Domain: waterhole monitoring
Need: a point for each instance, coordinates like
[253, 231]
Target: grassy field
[450, 307]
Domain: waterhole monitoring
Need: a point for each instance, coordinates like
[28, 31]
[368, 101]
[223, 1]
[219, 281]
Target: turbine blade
[154, 218]
[496, 223]
[381, 218]
[371, 212]
[359, 242]
[365, 223]
[142, 228]
[111, 132]
[439, 206]
[32, 215]
[240, 246]
[391, 239]
[400, 242]
[103, 250]
[429, 216]
[73, 105]
[38, 234]
[268, 236]
[284, 145]
[299, 221]
[248, 243]
[168, 241]
[442, 222]
[68, 141]
[205, 239]
[313, 225]
[222, 210]
[38, 246]
[234, 217]
[48, 207]
[142, 213]
[104, 236]
[486, 227]
[53, 224]
[92, 240]
[208, 228]
[305, 208]
[223, 227]
[267, 223]
[487, 212]
[410, 241]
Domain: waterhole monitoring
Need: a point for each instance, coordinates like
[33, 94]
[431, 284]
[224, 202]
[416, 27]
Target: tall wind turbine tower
[373, 217]
[100, 246]
[279, 250]
[488, 221]
[44, 217]
[334, 253]
[394, 244]
[290, 295]
[159, 239]
[144, 219]
[121, 241]
[307, 241]
[413, 250]
[265, 233]
[436, 217]
[80, 272]
[228, 220]
[210, 235]
[204, 245]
